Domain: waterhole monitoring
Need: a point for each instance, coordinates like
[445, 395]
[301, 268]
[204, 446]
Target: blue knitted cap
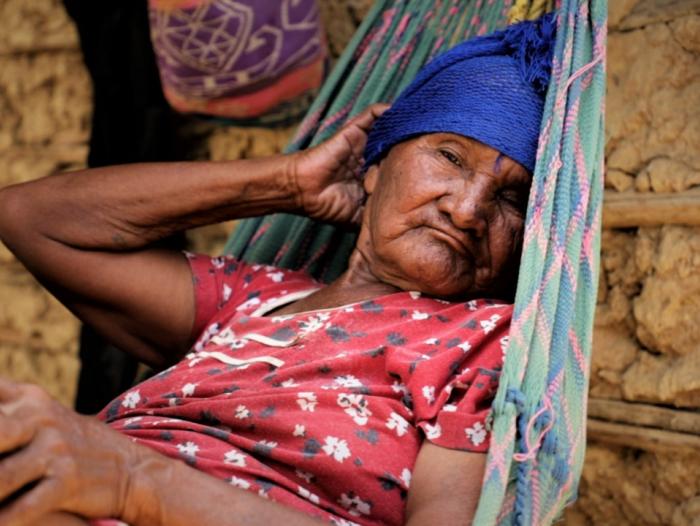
[489, 88]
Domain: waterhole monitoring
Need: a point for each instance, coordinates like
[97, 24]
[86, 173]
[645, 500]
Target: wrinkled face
[445, 216]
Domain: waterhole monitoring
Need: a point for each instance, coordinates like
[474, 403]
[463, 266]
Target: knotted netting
[539, 413]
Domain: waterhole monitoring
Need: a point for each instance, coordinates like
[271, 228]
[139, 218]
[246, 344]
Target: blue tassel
[533, 47]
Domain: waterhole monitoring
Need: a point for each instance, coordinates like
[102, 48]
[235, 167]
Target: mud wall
[45, 108]
[639, 469]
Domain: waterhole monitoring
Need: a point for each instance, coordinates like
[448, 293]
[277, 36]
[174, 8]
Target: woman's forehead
[480, 155]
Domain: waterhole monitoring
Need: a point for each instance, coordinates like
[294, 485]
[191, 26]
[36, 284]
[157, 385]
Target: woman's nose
[468, 207]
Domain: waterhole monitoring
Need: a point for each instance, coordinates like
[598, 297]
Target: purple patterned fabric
[214, 49]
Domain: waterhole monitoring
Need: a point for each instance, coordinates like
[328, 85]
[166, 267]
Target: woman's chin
[453, 286]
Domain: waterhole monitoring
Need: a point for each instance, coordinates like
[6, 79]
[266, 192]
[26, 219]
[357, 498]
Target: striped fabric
[538, 439]
[539, 428]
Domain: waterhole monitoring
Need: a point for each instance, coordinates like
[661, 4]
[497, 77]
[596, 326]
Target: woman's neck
[356, 284]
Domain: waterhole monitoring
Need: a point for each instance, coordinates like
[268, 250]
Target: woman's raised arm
[87, 235]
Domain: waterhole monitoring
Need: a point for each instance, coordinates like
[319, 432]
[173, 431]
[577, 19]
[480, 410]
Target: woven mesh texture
[485, 88]
[538, 428]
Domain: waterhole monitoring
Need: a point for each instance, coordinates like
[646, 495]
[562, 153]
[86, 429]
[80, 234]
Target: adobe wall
[639, 469]
[647, 336]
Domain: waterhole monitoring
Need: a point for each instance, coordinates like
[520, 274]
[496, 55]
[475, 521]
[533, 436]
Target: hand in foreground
[57, 467]
[327, 175]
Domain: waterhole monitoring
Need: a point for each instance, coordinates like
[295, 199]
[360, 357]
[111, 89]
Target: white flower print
[398, 387]
[242, 412]
[490, 324]
[450, 408]
[314, 323]
[355, 405]
[289, 382]
[431, 341]
[406, 477]
[354, 504]
[131, 399]
[465, 346]
[418, 315]
[188, 448]
[338, 521]
[307, 401]
[476, 433]
[188, 389]
[252, 302]
[346, 381]
[504, 344]
[226, 293]
[308, 495]
[277, 277]
[210, 331]
[218, 262]
[397, 423]
[308, 477]
[299, 430]
[239, 483]
[235, 458]
[433, 432]
[471, 305]
[414, 294]
[132, 420]
[336, 448]
[429, 393]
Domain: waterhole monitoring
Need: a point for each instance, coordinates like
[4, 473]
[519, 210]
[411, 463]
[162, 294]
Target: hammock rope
[539, 413]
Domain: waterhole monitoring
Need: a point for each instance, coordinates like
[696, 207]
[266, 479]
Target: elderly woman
[364, 401]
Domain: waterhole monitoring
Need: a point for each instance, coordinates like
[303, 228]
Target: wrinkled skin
[55, 463]
[445, 216]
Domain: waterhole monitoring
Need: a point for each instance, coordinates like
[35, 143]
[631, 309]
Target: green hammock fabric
[538, 425]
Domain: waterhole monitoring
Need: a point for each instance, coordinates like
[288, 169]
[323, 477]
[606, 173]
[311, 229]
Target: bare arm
[445, 486]
[87, 235]
[73, 467]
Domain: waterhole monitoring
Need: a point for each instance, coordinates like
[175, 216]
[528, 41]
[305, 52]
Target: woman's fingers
[29, 508]
[21, 468]
[8, 389]
[14, 433]
[366, 117]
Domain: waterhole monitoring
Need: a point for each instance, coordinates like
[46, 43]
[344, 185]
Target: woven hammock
[539, 413]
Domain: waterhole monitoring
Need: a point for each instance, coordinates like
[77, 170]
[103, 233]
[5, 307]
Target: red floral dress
[324, 411]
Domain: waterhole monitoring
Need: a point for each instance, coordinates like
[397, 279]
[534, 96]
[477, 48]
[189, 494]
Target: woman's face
[445, 216]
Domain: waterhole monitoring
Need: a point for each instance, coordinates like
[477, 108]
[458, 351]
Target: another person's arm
[62, 468]
[87, 235]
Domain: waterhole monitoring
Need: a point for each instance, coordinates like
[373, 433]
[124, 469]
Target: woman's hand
[327, 176]
[58, 467]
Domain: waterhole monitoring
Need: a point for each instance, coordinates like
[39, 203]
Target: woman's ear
[370, 180]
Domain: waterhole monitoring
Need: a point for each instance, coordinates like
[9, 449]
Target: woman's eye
[447, 154]
[515, 199]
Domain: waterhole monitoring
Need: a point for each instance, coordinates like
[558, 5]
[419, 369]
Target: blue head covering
[489, 88]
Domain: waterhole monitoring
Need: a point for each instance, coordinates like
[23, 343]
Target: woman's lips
[454, 240]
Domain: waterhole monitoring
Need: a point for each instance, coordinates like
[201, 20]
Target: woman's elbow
[11, 211]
